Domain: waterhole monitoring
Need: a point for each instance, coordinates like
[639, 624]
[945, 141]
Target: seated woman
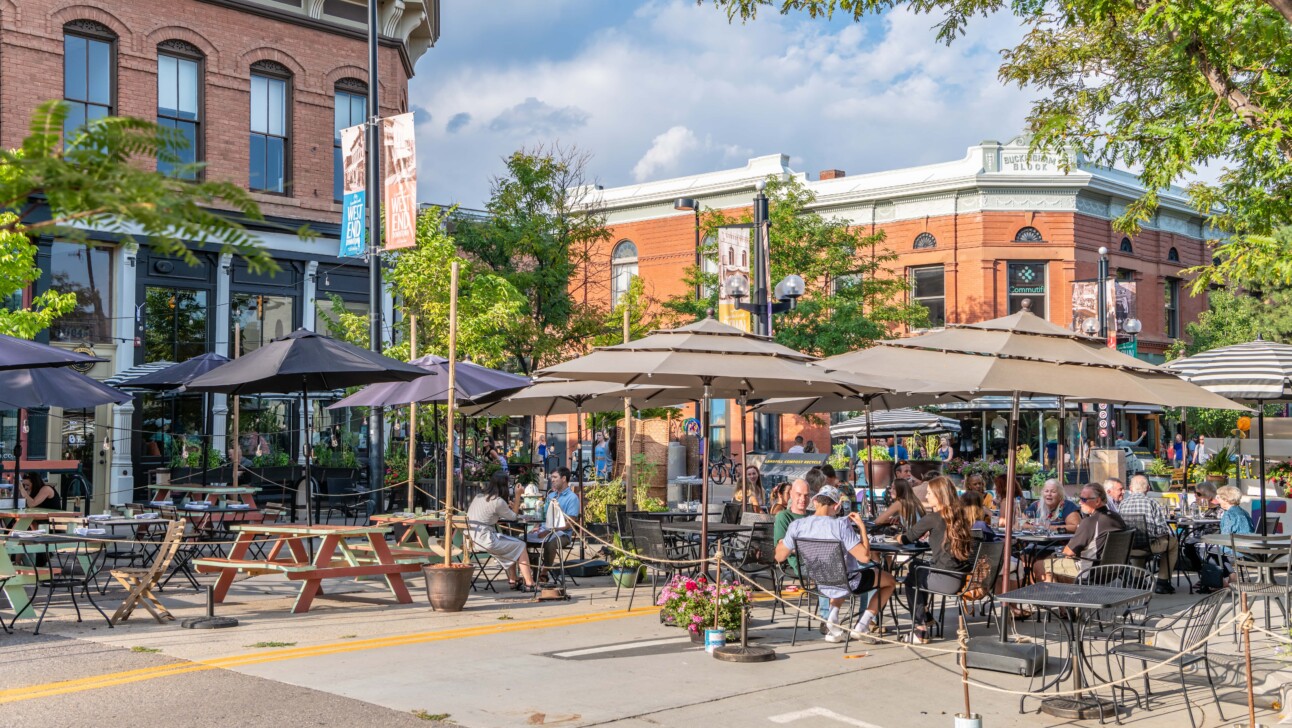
[1233, 520]
[38, 493]
[780, 498]
[971, 501]
[749, 492]
[483, 514]
[951, 547]
[1054, 509]
[975, 483]
[905, 510]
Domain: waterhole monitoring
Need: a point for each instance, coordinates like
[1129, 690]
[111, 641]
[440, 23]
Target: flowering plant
[691, 602]
[987, 468]
[954, 466]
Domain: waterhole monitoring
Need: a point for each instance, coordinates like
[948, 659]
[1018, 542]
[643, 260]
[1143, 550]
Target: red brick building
[975, 236]
[260, 87]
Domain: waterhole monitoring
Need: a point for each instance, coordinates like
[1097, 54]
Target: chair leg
[99, 610]
[794, 636]
[49, 596]
[1184, 687]
[1211, 681]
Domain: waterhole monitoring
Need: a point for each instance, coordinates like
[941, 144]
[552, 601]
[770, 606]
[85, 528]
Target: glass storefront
[87, 272]
[262, 319]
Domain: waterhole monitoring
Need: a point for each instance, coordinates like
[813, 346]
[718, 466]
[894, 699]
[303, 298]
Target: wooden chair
[139, 582]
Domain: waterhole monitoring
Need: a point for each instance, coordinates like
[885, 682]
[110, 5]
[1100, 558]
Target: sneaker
[836, 635]
[915, 638]
[1163, 587]
[824, 627]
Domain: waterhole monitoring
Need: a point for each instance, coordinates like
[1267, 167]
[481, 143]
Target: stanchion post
[1247, 663]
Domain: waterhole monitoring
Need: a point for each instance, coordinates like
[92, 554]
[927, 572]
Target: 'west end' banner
[400, 165]
[353, 198]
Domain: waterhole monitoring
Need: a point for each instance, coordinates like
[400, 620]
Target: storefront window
[1027, 281]
[174, 324]
[87, 272]
[329, 313]
[262, 318]
[928, 288]
[265, 428]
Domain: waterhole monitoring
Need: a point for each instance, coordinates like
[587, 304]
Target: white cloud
[673, 88]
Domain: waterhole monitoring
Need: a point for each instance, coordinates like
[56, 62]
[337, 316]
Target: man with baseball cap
[863, 574]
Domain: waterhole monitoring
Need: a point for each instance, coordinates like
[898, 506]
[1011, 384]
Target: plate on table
[99, 517]
[239, 506]
[145, 516]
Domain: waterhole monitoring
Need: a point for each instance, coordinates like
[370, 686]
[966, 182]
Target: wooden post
[237, 411]
[1247, 661]
[412, 414]
[628, 429]
[451, 403]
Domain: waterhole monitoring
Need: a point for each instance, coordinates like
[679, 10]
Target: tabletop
[1274, 540]
[206, 489]
[1075, 596]
[1194, 521]
[191, 510]
[715, 529]
[301, 529]
[39, 513]
[643, 515]
[427, 519]
[121, 521]
[60, 539]
[1042, 537]
[896, 547]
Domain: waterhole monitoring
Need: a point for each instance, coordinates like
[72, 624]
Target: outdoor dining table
[24, 519]
[21, 575]
[345, 552]
[717, 531]
[209, 493]
[418, 538]
[1071, 605]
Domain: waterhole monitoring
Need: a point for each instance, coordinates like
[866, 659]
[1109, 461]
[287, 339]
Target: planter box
[1160, 483]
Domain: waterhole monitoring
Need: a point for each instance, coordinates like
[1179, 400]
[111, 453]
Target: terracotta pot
[447, 587]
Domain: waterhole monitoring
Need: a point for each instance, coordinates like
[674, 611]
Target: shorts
[869, 580]
[1063, 566]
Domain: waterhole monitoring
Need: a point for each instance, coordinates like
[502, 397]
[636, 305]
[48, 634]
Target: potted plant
[625, 568]
[880, 467]
[1159, 473]
[1219, 468]
[698, 604]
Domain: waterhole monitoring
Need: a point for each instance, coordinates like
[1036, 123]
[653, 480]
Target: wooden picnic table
[23, 520]
[210, 493]
[22, 575]
[337, 557]
[417, 539]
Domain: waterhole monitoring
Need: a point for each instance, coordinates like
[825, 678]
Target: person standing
[797, 447]
[601, 456]
[542, 452]
[945, 452]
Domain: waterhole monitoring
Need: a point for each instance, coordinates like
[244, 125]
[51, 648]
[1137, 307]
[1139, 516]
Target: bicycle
[720, 468]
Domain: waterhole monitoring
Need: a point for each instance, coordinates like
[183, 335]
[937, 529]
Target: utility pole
[376, 445]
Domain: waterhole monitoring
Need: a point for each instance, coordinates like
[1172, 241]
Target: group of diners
[500, 502]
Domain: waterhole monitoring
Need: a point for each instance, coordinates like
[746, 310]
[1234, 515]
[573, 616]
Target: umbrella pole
[628, 427]
[237, 419]
[412, 413]
[744, 464]
[1008, 505]
[578, 463]
[450, 401]
[1063, 434]
[870, 456]
[1184, 448]
[1260, 455]
[309, 479]
[206, 440]
[704, 483]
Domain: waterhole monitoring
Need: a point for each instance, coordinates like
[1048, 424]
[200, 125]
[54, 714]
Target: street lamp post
[692, 204]
[1102, 303]
[376, 456]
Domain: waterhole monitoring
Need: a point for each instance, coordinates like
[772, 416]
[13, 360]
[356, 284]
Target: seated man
[1161, 537]
[1087, 544]
[863, 574]
[560, 506]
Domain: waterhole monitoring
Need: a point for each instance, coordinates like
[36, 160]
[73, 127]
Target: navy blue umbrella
[23, 354]
[55, 387]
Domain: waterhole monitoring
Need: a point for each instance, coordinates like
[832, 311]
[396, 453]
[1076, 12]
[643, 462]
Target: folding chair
[140, 581]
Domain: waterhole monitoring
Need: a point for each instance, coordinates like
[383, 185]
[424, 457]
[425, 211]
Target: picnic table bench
[337, 557]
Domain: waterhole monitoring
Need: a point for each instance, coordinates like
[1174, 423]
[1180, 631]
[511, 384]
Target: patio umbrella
[177, 376]
[717, 359]
[120, 379]
[1020, 355]
[473, 382]
[903, 421]
[52, 387]
[1258, 371]
[299, 362]
[18, 353]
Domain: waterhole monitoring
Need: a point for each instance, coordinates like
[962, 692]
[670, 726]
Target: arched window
[1126, 246]
[623, 267]
[89, 73]
[1173, 255]
[924, 241]
[1028, 234]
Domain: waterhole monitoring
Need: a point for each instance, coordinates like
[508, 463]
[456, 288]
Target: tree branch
[1284, 7]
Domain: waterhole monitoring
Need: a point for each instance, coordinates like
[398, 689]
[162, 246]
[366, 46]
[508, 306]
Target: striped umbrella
[1258, 371]
[902, 421]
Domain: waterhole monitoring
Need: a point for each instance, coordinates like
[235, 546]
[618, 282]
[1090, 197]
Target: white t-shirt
[796, 449]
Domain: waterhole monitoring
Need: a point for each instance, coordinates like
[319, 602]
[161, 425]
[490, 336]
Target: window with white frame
[623, 267]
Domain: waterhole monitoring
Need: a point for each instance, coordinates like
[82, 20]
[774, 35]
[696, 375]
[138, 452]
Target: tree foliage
[489, 307]
[545, 236]
[1164, 86]
[94, 182]
[851, 298]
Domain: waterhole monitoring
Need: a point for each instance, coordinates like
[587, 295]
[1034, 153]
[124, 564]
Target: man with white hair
[1116, 491]
[1136, 505]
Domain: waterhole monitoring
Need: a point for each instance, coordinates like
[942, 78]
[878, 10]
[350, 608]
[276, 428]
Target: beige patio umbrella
[1023, 355]
[717, 360]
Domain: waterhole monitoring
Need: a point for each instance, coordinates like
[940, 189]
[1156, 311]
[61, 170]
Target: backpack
[1211, 576]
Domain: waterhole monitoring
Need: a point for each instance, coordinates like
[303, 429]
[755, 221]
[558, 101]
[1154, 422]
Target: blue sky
[662, 88]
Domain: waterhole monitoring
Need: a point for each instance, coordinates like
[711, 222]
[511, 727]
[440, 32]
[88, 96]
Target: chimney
[832, 174]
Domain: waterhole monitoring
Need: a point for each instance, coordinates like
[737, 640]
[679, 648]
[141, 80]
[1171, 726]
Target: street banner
[733, 259]
[353, 198]
[400, 164]
[1119, 298]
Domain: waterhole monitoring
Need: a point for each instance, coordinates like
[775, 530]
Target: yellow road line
[96, 682]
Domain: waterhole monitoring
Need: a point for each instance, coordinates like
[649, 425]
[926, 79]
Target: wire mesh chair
[648, 538]
[1194, 625]
[1116, 548]
[1262, 570]
[823, 564]
[757, 560]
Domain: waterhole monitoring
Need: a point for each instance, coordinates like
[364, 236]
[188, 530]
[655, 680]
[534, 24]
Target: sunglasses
[1084, 499]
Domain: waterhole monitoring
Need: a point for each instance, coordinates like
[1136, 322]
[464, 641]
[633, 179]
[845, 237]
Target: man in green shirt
[800, 496]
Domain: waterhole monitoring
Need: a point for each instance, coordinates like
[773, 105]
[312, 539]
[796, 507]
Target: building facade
[261, 89]
[975, 237]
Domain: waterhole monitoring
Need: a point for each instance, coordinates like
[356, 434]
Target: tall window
[175, 323]
[89, 73]
[179, 104]
[351, 106]
[261, 318]
[1172, 298]
[87, 272]
[928, 288]
[623, 266]
[1026, 281]
[270, 140]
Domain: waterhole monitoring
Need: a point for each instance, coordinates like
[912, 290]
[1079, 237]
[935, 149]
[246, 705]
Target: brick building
[260, 87]
[975, 237]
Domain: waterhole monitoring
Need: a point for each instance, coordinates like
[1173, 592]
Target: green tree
[851, 299]
[1164, 86]
[488, 305]
[95, 181]
[643, 316]
[545, 236]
